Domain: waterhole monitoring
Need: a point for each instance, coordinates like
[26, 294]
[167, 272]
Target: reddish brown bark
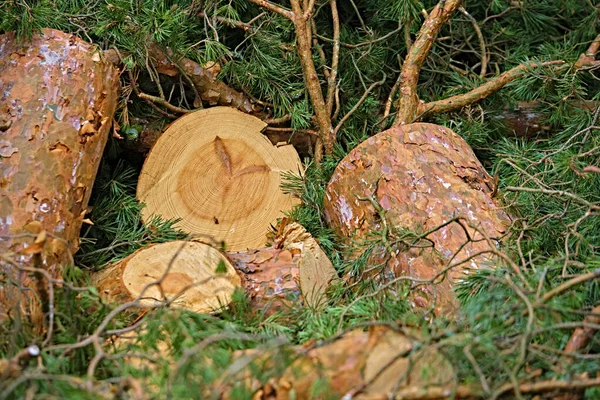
[589, 57]
[211, 90]
[56, 108]
[292, 272]
[359, 364]
[311, 78]
[418, 177]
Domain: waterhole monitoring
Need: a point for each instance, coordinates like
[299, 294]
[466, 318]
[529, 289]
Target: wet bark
[421, 192]
[57, 103]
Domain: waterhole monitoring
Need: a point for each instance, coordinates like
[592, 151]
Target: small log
[418, 177]
[189, 275]
[294, 271]
[57, 100]
[200, 278]
[214, 170]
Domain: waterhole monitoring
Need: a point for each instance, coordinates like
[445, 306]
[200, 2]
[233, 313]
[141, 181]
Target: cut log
[294, 271]
[418, 177]
[189, 275]
[56, 107]
[378, 362]
[198, 277]
[214, 170]
[358, 365]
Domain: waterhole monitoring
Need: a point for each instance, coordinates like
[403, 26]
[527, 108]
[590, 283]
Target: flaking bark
[56, 111]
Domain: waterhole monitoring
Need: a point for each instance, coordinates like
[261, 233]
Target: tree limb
[457, 102]
[409, 99]
[482, 46]
[311, 78]
[589, 57]
[275, 8]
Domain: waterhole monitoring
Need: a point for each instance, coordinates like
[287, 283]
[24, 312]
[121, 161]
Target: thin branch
[363, 44]
[589, 57]
[473, 391]
[482, 48]
[292, 130]
[595, 274]
[362, 22]
[409, 99]
[390, 100]
[332, 79]
[274, 8]
[556, 192]
[162, 102]
[358, 103]
[277, 121]
[245, 26]
[457, 102]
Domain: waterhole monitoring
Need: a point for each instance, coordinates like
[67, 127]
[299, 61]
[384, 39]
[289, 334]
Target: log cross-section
[215, 171]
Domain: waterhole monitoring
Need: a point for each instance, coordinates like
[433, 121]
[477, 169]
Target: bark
[459, 101]
[293, 268]
[311, 78]
[589, 57]
[301, 18]
[581, 337]
[418, 177]
[56, 110]
[359, 364]
[211, 90]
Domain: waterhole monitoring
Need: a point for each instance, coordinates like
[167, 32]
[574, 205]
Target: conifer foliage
[518, 80]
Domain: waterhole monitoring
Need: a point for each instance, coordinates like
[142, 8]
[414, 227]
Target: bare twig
[589, 57]
[358, 103]
[474, 392]
[163, 102]
[366, 43]
[390, 100]
[482, 46]
[457, 102]
[274, 8]
[595, 274]
[245, 26]
[332, 78]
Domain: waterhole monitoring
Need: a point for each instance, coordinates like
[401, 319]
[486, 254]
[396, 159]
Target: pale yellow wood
[190, 275]
[220, 175]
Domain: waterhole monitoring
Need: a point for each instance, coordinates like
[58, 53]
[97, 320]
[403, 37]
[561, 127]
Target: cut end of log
[216, 172]
[189, 275]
